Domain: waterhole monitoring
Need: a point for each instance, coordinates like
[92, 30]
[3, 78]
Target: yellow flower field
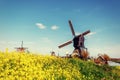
[23, 66]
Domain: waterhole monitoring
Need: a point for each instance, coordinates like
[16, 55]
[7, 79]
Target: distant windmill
[21, 49]
[78, 41]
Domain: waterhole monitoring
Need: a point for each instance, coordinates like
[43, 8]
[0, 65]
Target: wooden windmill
[21, 49]
[78, 41]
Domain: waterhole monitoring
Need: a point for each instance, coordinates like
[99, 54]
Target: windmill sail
[69, 42]
[71, 27]
[84, 33]
[65, 44]
[73, 33]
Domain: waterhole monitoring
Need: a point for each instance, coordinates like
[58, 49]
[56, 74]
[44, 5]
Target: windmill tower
[21, 49]
[78, 41]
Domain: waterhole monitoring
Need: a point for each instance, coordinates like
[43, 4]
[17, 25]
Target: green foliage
[21, 66]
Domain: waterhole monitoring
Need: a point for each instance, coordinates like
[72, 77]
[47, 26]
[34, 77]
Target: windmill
[21, 49]
[78, 41]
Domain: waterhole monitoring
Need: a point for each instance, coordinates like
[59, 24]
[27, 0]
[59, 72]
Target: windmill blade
[84, 33]
[65, 44]
[71, 27]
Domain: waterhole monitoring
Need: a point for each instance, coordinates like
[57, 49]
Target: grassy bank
[22, 66]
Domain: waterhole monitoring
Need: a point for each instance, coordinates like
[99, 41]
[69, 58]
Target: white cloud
[40, 25]
[77, 33]
[91, 33]
[54, 27]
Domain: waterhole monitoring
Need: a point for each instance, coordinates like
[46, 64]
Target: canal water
[113, 63]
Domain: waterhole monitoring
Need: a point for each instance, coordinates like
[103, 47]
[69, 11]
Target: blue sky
[43, 25]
